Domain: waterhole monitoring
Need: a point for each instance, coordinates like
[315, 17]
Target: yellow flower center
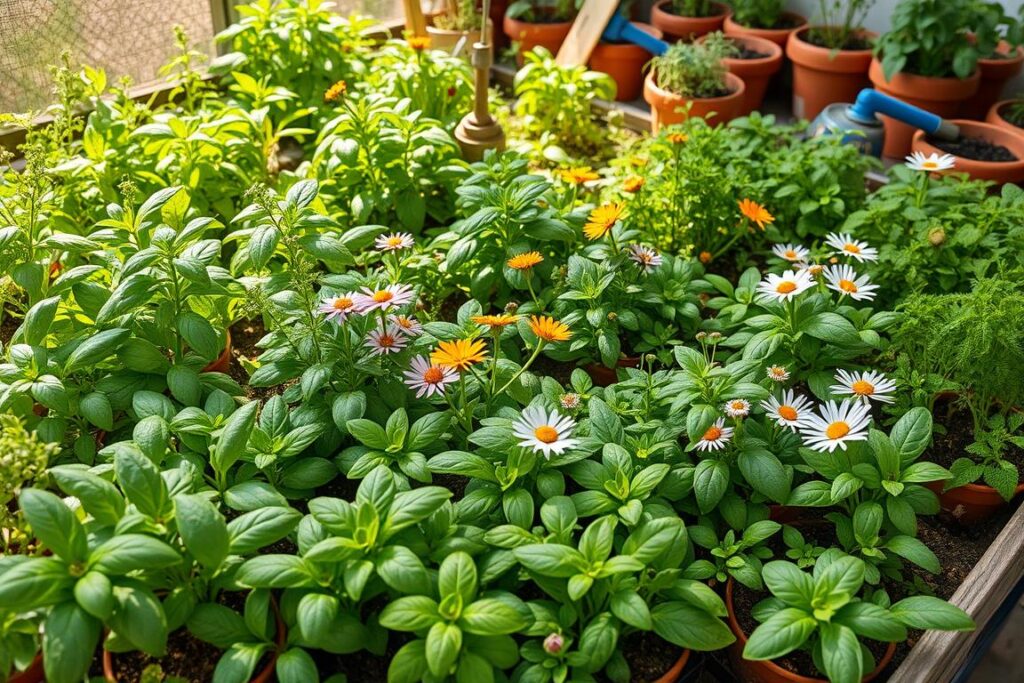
[394, 241]
[848, 286]
[714, 431]
[852, 248]
[386, 340]
[342, 303]
[929, 164]
[785, 287]
[433, 375]
[863, 387]
[383, 296]
[546, 434]
[738, 405]
[790, 254]
[787, 412]
[837, 430]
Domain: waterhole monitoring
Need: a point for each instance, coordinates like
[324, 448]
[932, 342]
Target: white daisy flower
[648, 258]
[385, 298]
[917, 161]
[715, 437]
[844, 244]
[793, 253]
[394, 242]
[544, 432]
[737, 407]
[338, 308]
[845, 280]
[785, 286]
[790, 411]
[835, 425]
[867, 386]
[428, 379]
[777, 373]
[409, 326]
[382, 342]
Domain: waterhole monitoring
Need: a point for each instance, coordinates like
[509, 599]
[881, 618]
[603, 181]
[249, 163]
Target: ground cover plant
[287, 386]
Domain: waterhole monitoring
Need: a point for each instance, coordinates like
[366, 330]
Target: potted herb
[763, 19]
[926, 59]
[543, 23]
[459, 21]
[688, 19]
[831, 58]
[998, 37]
[755, 60]
[691, 80]
[1007, 114]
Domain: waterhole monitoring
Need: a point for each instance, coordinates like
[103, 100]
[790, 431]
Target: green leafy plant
[757, 13]
[693, 8]
[694, 70]
[840, 21]
[929, 38]
[539, 11]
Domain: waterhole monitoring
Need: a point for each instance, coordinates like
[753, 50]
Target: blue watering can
[859, 124]
[619, 30]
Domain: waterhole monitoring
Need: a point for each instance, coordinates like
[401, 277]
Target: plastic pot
[223, 362]
[999, 172]
[624, 62]
[769, 672]
[673, 674]
[604, 376]
[676, 27]
[822, 76]
[779, 36]
[35, 673]
[995, 73]
[942, 96]
[755, 73]
[530, 35]
[668, 108]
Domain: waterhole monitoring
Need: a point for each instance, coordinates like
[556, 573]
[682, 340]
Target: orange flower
[336, 92]
[602, 219]
[459, 354]
[549, 329]
[756, 213]
[705, 257]
[419, 43]
[678, 138]
[633, 184]
[494, 320]
[525, 261]
[578, 175]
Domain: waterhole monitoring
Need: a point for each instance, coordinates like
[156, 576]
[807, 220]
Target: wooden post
[415, 24]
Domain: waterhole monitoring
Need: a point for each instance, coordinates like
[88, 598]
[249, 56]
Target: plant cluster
[694, 70]
[757, 13]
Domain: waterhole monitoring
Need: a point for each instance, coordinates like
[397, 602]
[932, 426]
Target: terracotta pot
[35, 674]
[995, 73]
[223, 362]
[624, 62]
[530, 35]
[779, 36]
[676, 27]
[942, 96]
[995, 116]
[822, 76]
[665, 106]
[970, 503]
[756, 73]
[1000, 172]
[604, 376]
[445, 40]
[673, 674]
[769, 672]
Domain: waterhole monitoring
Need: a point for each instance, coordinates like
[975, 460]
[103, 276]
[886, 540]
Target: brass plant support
[478, 131]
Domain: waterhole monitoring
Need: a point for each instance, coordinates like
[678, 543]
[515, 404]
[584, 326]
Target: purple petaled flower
[647, 258]
[409, 325]
[385, 298]
[428, 379]
[339, 308]
[382, 342]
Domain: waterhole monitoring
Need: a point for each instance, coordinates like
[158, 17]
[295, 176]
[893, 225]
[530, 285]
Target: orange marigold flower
[578, 175]
[602, 219]
[678, 138]
[633, 183]
[494, 320]
[525, 261]
[459, 354]
[549, 329]
[705, 257]
[336, 92]
[755, 212]
[419, 43]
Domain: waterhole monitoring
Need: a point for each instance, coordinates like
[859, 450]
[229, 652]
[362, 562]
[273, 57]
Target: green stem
[536, 352]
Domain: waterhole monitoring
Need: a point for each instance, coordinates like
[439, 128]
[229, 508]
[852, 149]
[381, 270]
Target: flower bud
[570, 401]
[511, 307]
[705, 257]
[553, 643]
[650, 358]
[613, 316]
[937, 236]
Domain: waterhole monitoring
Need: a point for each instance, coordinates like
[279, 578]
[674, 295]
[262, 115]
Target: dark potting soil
[362, 666]
[245, 334]
[747, 53]
[456, 483]
[946, 448]
[187, 659]
[649, 657]
[852, 43]
[8, 326]
[561, 371]
[974, 148]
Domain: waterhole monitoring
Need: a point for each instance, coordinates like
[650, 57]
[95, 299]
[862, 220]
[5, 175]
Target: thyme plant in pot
[544, 23]
[763, 19]
[688, 19]
[690, 79]
[755, 60]
[926, 59]
[831, 58]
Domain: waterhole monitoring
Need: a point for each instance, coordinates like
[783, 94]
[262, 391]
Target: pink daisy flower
[339, 308]
[428, 379]
[409, 325]
[385, 298]
[394, 242]
[382, 342]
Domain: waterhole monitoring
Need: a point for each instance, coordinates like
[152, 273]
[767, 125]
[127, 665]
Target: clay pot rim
[676, 669]
[741, 641]
[977, 129]
[33, 672]
[547, 24]
[771, 31]
[801, 33]
[909, 81]
[996, 111]
[669, 95]
[725, 11]
[994, 61]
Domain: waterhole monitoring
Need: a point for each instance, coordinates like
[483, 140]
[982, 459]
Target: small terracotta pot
[1000, 172]
[779, 36]
[970, 503]
[942, 96]
[665, 106]
[604, 376]
[35, 673]
[995, 73]
[445, 40]
[624, 62]
[995, 116]
[676, 27]
[529, 36]
[769, 672]
[223, 362]
[822, 76]
[673, 674]
[756, 73]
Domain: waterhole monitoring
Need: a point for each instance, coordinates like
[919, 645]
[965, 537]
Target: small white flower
[428, 379]
[917, 161]
[790, 411]
[793, 253]
[648, 258]
[777, 373]
[338, 308]
[715, 437]
[737, 407]
[394, 242]
[785, 286]
[845, 280]
[866, 386]
[385, 298]
[544, 432]
[570, 401]
[835, 425]
[844, 244]
[409, 326]
[382, 342]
